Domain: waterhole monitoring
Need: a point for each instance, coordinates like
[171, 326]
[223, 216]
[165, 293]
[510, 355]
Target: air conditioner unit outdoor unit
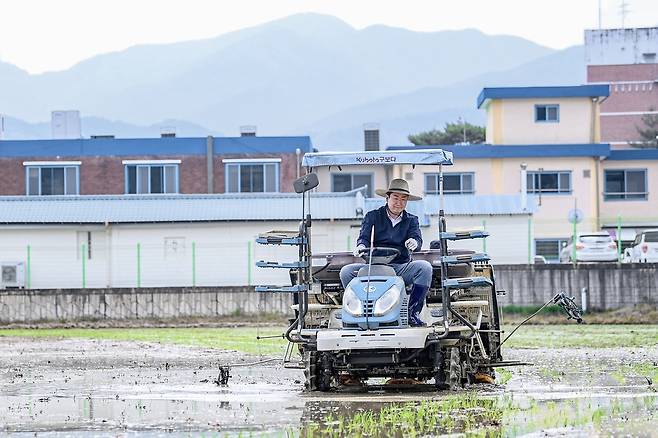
[13, 275]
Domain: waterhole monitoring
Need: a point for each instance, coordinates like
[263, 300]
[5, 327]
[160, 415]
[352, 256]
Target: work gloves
[359, 248]
[411, 244]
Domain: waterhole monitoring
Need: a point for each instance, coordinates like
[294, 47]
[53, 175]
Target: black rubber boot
[416, 303]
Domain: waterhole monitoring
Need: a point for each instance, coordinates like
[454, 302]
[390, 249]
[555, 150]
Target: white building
[209, 240]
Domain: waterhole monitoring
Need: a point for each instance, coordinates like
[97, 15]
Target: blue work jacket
[388, 235]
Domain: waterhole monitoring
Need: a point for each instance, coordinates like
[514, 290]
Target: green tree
[453, 133]
[650, 134]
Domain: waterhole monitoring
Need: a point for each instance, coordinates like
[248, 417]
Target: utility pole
[623, 11]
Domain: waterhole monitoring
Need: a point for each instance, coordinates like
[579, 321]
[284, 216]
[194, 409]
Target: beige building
[544, 140]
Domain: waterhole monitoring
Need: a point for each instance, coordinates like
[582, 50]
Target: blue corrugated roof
[152, 146]
[463, 205]
[633, 154]
[542, 92]
[518, 151]
[468, 205]
[173, 208]
[229, 207]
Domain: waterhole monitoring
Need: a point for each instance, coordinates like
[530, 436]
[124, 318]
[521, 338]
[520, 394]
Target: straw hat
[398, 185]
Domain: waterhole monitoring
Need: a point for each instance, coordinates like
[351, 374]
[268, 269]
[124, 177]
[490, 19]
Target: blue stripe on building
[633, 154]
[519, 151]
[542, 92]
[152, 146]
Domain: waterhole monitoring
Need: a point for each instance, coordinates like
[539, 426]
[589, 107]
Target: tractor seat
[377, 270]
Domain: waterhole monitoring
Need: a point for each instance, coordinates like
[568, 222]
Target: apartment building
[543, 145]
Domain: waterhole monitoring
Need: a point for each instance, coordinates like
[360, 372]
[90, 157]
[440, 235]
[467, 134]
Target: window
[549, 248]
[453, 183]
[549, 182]
[153, 178]
[252, 177]
[625, 184]
[45, 180]
[547, 113]
[344, 182]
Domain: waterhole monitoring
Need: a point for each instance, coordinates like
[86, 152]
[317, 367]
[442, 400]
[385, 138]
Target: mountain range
[306, 74]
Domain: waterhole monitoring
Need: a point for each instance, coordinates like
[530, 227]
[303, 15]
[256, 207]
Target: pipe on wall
[210, 169]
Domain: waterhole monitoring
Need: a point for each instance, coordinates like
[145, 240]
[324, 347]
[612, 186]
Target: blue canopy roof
[512, 151]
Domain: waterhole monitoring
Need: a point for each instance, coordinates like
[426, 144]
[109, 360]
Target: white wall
[620, 46]
[519, 126]
[222, 250]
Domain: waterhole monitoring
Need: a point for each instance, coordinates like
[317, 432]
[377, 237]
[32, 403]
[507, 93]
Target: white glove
[358, 249]
[411, 244]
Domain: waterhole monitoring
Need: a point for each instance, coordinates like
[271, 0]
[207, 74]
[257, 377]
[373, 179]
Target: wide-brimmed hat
[398, 185]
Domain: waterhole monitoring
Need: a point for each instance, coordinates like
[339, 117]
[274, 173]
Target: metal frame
[559, 191]
[547, 106]
[176, 166]
[263, 163]
[461, 182]
[40, 167]
[352, 174]
[625, 193]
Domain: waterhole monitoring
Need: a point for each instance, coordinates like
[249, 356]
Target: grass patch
[648, 370]
[462, 413]
[513, 309]
[503, 375]
[583, 335]
[241, 339]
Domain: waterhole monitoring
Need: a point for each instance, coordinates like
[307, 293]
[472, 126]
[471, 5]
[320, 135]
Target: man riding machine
[391, 226]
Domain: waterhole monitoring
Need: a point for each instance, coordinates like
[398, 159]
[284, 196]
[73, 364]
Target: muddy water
[102, 388]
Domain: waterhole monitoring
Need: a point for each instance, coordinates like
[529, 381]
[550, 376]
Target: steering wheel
[380, 254]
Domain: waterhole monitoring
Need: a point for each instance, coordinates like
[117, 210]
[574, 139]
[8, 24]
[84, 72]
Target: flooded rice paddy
[83, 387]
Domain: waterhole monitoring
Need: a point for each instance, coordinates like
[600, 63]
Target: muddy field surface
[76, 387]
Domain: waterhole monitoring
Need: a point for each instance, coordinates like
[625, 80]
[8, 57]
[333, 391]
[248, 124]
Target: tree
[453, 133]
[650, 134]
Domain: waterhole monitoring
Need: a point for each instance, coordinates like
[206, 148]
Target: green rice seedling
[503, 375]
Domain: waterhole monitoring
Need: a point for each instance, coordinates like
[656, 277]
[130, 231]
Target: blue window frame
[47, 180]
[151, 178]
[549, 182]
[547, 113]
[252, 177]
[453, 183]
[625, 184]
[344, 182]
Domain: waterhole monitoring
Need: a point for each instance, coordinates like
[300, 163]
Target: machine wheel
[440, 371]
[454, 370]
[316, 367]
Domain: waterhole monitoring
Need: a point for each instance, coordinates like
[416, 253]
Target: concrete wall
[71, 305]
[621, 46]
[610, 286]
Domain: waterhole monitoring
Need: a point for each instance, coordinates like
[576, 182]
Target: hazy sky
[46, 35]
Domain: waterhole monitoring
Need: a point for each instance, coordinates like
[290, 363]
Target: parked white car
[644, 248]
[591, 247]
